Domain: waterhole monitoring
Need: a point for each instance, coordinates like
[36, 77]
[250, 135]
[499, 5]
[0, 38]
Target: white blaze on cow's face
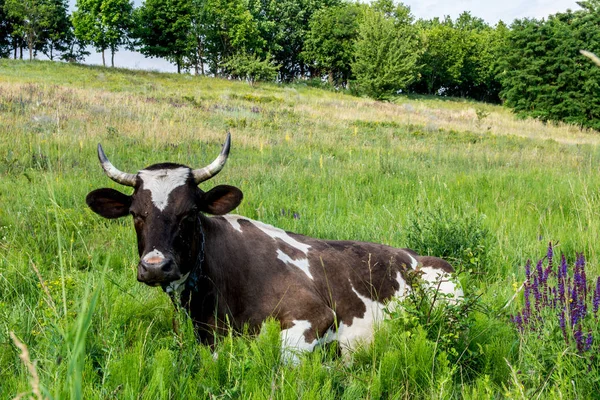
[161, 182]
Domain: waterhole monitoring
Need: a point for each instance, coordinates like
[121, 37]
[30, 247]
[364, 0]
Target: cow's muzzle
[155, 271]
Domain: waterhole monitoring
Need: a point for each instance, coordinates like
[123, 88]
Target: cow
[231, 272]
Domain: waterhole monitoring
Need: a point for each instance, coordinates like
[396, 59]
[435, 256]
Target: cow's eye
[187, 217]
[137, 217]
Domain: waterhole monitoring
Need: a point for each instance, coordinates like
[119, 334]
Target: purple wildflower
[518, 320]
[597, 297]
[558, 294]
[536, 293]
[579, 340]
[588, 341]
[527, 309]
[540, 272]
[583, 276]
[563, 325]
[574, 307]
[562, 274]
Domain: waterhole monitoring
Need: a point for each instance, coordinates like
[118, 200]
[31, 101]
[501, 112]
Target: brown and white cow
[231, 271]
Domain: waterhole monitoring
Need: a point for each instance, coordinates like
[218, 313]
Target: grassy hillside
[454, 177]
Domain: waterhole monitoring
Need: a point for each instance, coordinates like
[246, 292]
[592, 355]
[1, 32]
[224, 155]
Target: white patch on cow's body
[413, 261]
[442, 281]
[361, 329]
[177, 286]
[161, 182]
[269, 230]
[153, 254]
[276, 233]
[233, 221]
[294, 337]
[293, 341]
[301, 263]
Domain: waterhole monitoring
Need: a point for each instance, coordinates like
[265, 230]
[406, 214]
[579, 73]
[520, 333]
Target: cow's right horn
[203, 174]
[113, 173]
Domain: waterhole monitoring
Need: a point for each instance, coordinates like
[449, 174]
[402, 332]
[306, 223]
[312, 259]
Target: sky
[491, 11]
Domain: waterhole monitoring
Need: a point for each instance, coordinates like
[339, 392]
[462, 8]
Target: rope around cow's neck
[190, 280]
[196, 272]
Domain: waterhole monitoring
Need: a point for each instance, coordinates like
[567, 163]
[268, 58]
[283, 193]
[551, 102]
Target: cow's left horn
[116, 175]
[203, 174]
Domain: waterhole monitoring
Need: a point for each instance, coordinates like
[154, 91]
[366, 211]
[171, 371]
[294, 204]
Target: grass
[350, 168]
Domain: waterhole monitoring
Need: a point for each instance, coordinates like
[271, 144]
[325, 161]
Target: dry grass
[75, 111]
[35, 379]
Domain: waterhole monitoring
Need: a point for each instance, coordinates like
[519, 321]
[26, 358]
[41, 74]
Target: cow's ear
[109, 203]
[221, 200]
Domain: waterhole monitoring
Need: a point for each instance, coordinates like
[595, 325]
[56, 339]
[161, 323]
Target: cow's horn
[118, 176]
[203, 174]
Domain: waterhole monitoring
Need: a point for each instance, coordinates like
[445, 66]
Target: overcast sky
[491, 11]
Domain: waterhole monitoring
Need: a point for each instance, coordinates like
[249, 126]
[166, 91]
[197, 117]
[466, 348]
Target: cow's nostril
[167, 265]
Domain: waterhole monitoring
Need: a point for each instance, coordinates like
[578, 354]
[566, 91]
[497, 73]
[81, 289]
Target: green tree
[57, 34]
[329, 45]
[164, 29]
[460, 57]
[544, 76]
[105, 24]
[30, 19]
[443, 56]
[288, 29]
[5, 30]
[75, 48]
[230, 31]
[387, 50]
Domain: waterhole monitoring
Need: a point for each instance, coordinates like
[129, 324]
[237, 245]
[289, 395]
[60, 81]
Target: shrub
[251, 68]
[462, 239]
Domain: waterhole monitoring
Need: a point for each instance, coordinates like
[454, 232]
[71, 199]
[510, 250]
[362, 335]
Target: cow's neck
[193, 280]
[204, 294]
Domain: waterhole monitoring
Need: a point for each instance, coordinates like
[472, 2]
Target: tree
[57, 34]
[230, 31]
[164, 29]
[544, 76]
[329, 45]
[387, 50]
[289, 26]
[30, 20]
[103, 23]
[443, 56]
[75, 48]
[5, 30]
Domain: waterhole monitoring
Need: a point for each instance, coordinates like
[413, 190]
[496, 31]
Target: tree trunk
[21, 51]
[103, 61]
[200, 53]
[112, 58]
[15, 48]
[51, 55]
[330, 77]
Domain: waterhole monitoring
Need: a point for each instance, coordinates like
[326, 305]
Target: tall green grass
[311, 161]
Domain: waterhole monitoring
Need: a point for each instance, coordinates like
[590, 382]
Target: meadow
[449, 177]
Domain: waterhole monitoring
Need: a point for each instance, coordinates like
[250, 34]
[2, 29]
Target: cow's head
[165, 206]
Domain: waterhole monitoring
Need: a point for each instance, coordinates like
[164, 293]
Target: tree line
[378, 48]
